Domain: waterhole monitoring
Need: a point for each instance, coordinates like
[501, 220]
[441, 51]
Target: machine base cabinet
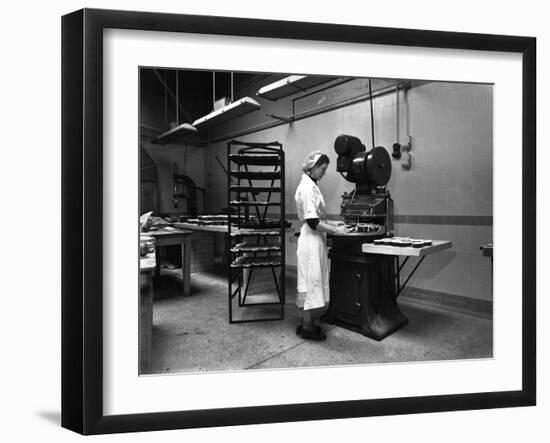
[363, 296]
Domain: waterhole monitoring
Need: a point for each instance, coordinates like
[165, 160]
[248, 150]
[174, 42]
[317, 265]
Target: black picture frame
[82, 279]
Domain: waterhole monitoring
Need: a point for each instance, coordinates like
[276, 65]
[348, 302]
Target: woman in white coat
[312, 257]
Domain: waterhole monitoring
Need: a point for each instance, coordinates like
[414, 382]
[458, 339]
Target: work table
[147, 262]
[147, 265]
[436, 246]
[196, 227]
[211, 228]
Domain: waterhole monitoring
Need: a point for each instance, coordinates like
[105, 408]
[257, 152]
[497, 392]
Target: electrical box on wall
[407, 161]
[399, 149]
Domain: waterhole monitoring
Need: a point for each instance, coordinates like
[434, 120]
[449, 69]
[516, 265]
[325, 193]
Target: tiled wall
[451, 126]
[461, 270]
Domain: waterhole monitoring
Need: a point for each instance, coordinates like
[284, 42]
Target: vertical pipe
[177, 99]
[231, 86]
[371, 111]
[407, 122]
[165, 101]
[228, 254]
[282, 274]
[397, 113]
[213, 88]
[174, 174]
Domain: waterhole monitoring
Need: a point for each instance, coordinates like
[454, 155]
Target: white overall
[312, 256]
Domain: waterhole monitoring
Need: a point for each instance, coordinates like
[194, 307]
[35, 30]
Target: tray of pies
[421, 243]
[255, 159]
[252, 247]
[261, 224]
[402, 242]
[256, 175]
[254, 232]
[254, 189]
[253, 203]
[212, 217]
[256, 262]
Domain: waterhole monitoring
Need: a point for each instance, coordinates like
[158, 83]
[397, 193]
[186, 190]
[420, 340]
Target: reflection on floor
[193, 334]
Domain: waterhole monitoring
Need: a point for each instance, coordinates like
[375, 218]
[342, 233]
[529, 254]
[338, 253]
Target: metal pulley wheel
[378, 166]
[373, 167]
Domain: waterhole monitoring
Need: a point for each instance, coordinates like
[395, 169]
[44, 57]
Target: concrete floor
[193, 334]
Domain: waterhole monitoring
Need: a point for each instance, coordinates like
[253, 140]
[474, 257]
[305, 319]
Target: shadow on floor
[54, 417]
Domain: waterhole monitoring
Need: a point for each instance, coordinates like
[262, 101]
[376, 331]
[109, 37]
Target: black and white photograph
[295, 220]
[270, 222]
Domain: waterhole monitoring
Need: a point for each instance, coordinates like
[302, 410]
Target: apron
[312, 256]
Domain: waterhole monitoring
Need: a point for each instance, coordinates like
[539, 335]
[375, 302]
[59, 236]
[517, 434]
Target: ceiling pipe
[213, 88]
[179, 131]
[172, 95]
[371, 112]
[397, 114]
[302, 115]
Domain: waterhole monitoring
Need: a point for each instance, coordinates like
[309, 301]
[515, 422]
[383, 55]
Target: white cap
[310, 160]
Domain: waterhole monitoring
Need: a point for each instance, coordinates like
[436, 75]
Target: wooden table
[202, 228]
[166, 237]
[147, 265]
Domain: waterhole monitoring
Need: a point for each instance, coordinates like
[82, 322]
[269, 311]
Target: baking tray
[256, 175]
[250, 247]
[254, 232]
[253, 203]
[255, 159]
[265, 224]
[254, 189]
[256, 262]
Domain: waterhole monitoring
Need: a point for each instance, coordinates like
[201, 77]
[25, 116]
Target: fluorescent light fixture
[235, 109]
[290, 85]
[174, 134]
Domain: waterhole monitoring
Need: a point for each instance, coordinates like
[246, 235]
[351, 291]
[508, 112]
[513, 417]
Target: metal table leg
[410, 275]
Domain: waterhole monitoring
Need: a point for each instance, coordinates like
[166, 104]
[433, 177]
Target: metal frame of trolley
[255, 241]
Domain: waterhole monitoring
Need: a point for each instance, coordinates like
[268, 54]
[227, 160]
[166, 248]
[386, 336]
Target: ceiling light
[235, 109]
[175, 134]
[290, 85]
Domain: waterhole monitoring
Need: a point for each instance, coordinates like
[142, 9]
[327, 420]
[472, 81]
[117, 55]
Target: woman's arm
[327, 227]
[323, 226]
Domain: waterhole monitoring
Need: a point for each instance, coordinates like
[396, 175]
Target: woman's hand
[336, 223]
[340, 230]
[332, 227]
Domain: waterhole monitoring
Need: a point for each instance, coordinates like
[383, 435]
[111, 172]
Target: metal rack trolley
[255, 241]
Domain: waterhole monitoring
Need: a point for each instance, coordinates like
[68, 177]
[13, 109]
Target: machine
[368, 209]
[363, 286]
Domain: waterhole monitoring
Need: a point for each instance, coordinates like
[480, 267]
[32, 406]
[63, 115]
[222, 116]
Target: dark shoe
[316, 334]
[300, 328]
